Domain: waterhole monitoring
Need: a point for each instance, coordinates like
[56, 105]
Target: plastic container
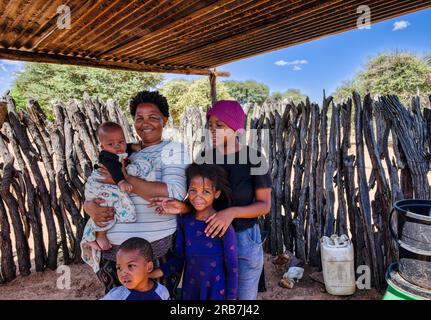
[338, 265]
[401, 289]
[414, 240]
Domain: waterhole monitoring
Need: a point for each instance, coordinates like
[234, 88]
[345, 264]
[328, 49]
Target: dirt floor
[85, 285]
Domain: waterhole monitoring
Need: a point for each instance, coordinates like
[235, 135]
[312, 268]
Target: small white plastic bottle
[338, 265]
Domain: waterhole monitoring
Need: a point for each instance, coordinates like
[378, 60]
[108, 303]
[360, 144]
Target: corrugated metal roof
[179, 36]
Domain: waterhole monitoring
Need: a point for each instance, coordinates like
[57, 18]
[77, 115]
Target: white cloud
[2, 67]
[297, 64]
[291, 63]
[399, 25]
[281, 63]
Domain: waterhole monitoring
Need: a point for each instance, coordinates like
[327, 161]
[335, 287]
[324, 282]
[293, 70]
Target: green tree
[197, 94]
[19, 99]
[48, 82]
[290, 95]
[294, 95]
[345, 91]
[276, 96]
[398, 73]
[174, 90]
[248, 91]
[401, 73]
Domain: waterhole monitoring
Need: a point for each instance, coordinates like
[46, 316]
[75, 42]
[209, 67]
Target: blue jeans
[250, 262]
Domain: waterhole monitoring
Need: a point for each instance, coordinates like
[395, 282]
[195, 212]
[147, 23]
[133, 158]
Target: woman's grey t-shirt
[169, 160]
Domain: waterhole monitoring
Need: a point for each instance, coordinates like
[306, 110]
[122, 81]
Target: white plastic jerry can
[338, 265]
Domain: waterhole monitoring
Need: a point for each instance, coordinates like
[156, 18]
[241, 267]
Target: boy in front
[134, 263]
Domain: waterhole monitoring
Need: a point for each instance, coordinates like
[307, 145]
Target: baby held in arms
[114, 157]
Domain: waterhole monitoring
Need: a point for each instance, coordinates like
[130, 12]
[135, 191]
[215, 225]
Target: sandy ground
[84, 285]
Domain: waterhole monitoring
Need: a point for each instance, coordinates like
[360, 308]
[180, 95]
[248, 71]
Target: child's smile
[202, 193]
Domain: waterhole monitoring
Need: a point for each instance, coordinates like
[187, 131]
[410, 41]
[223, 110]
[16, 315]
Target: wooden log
[7, 266]
[344, 198]
[49, 169]
[67, 134]
[66, 197]
[32, 159]
[40, 120]
[341, 221]
[427, 117]
[383, 143]
[278, 183]
[330, 167]
[320, 171]
[290, 149]
[3, 113]
[128, 129]
[383, 193]
[33, 210]
[103, 112]
[111, 107]
[355, 222]
[213, 86]
[79, 125]
[382, 204]
[410, 127]
[92, 113]
[18, 189]
[311, 231]
[364, 198]
[70, 232]
[83, 158]
[269, 125]
[301, 148]
[21, 244]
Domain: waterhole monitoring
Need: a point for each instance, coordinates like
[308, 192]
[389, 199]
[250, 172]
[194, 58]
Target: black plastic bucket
[414, 240]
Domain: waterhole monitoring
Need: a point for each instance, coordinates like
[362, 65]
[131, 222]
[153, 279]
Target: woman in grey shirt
[150, 111]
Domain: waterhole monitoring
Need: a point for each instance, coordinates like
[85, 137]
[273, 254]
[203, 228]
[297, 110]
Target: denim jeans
[250, 262]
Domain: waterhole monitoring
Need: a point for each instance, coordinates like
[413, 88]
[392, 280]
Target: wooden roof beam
[86, 62]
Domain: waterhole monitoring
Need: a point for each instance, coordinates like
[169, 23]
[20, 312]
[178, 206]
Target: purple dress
[210, 265]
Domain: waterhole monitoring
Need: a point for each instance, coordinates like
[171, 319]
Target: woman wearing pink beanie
[251, 193]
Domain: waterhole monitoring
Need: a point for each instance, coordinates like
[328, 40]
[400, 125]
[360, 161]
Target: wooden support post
[213, 87]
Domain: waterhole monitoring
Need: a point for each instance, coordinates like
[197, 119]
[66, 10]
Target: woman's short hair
[153, 97]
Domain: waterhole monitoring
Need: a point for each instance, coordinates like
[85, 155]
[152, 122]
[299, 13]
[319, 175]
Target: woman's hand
[100, 214]
[107, 178]
[218, 223]
[166, 205]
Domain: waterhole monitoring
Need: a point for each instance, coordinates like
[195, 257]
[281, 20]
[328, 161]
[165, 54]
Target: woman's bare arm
[143, 188]
[148, 189]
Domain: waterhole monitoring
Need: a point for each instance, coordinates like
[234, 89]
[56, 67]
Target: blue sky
[321, 64]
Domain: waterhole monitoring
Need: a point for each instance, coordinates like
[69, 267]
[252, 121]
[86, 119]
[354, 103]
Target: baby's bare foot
[104, 243]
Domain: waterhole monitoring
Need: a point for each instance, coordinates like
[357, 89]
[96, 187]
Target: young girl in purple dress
[210, 263]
